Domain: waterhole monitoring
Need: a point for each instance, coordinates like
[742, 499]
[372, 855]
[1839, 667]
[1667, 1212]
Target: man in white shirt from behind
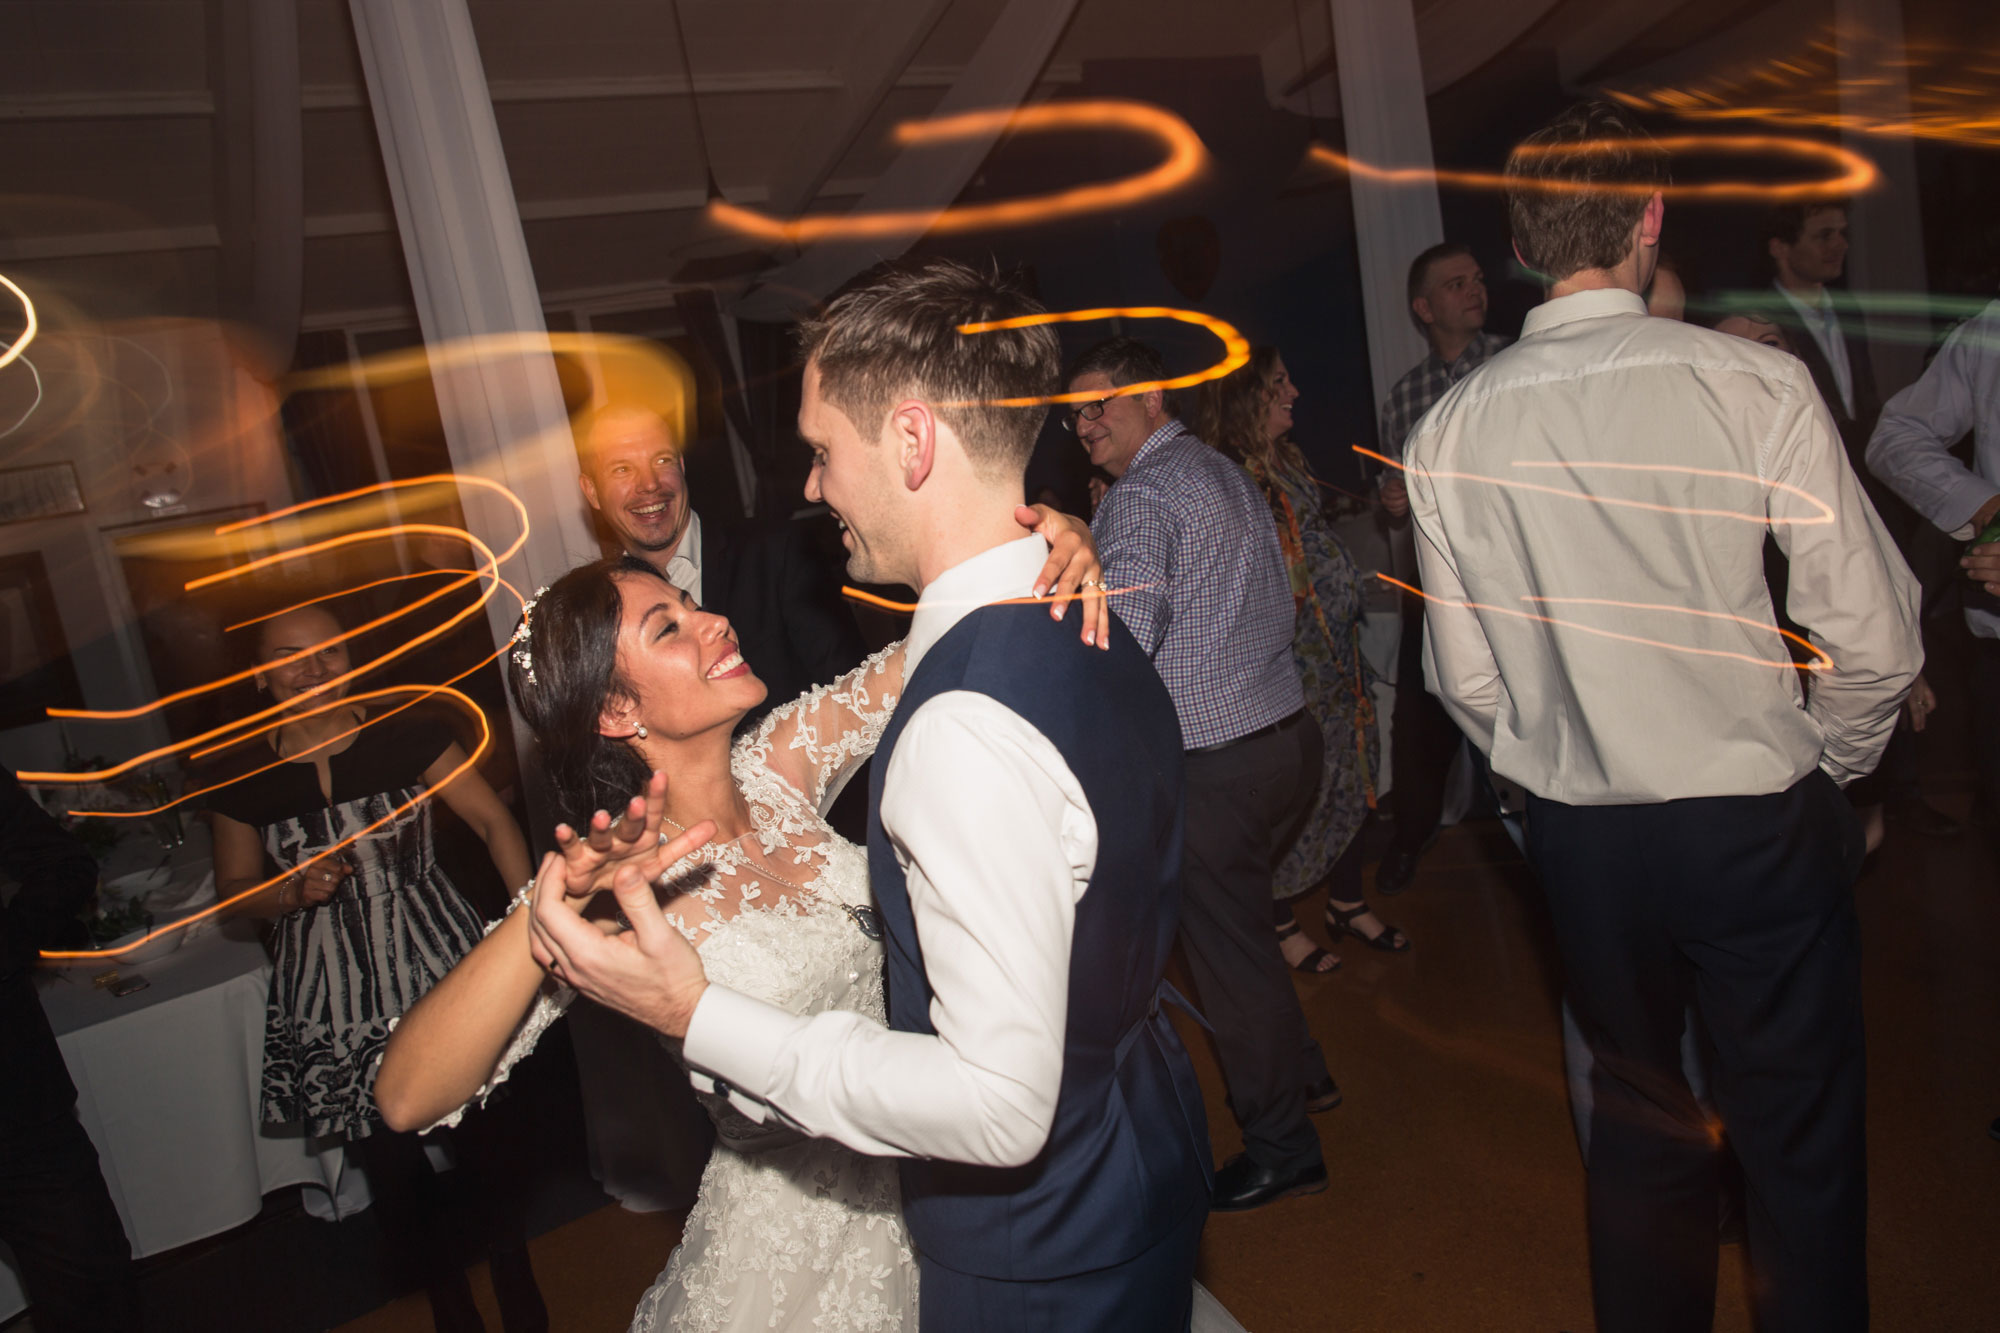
[1591, 507]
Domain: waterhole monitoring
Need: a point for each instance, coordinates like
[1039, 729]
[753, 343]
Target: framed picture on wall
[47, 490]
[36, 672]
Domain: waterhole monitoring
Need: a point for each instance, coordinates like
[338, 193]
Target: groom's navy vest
[1127, 1156]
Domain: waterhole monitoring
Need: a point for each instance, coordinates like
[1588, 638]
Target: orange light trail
[1823, 662]
[485, 741]
[1235, 350]
[244, 729]
[410, 645]
[490, 571]
[345, 592]
[1951, 91]
[275, 723]
[1825, 515]
[1851, 172]
[194, 742]
[1185, 158]
[8, 357]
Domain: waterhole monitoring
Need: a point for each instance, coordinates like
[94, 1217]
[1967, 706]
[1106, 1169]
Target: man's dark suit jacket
[783, 599]
[1855, 427]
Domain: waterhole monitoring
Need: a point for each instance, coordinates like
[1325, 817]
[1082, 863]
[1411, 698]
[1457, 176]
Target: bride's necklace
[866, 919]
[736, 856]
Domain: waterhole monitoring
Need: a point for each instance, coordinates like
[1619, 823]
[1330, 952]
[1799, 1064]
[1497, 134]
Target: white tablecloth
[167, 1084]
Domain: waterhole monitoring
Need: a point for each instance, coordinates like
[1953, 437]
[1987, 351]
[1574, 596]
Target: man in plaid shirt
[1448, 300]
[1189, 545]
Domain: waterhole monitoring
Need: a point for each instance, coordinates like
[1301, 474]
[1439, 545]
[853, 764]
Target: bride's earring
[642, 731]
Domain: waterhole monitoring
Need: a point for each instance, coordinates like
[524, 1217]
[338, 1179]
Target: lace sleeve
[826, 732]
[549, 1005]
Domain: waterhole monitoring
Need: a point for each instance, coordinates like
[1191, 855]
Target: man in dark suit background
[1807, 244]
[791, 625]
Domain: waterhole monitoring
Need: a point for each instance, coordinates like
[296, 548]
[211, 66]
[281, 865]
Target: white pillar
[1886, 224]
[468, 261]
[1386, 124]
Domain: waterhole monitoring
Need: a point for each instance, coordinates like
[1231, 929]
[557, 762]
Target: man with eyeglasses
[1192, 557]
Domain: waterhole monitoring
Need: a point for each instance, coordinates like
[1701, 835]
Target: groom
[1024, 845]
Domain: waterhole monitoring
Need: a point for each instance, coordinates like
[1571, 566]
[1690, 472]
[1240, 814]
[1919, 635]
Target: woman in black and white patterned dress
[363, 933]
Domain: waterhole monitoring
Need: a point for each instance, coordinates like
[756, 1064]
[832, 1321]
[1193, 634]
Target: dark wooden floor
[1457, 1191]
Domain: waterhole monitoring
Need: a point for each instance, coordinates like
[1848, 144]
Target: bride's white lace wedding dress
[787, 1233]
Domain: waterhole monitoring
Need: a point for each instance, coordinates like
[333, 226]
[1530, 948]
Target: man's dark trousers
[1424, 737]
[1744, 907]
[1245, 802]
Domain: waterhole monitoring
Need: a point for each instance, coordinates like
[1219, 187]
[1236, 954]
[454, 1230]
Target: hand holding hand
[1395, 497]
[590, 861]
[1072, 571]
[650, 973]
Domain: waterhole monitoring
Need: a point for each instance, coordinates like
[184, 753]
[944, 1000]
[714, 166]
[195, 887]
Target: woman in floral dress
[1248, 415]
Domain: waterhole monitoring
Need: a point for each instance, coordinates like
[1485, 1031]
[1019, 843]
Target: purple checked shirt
[1188, 542]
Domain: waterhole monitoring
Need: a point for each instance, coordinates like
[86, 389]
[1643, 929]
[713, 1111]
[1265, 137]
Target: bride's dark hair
[572, 649]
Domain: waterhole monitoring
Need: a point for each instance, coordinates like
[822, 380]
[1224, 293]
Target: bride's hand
[1073, 569]
[650, 973]
[592, 859]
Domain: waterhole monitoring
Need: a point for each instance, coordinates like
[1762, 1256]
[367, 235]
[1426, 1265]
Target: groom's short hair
[896, 334]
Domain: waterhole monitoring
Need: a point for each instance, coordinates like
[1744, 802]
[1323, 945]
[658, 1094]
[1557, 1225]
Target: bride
[621, 675]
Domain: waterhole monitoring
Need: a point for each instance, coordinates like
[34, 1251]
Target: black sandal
[1311, 964]
[1389, 940]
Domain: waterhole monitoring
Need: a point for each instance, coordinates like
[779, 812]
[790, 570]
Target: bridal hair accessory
[524, 656]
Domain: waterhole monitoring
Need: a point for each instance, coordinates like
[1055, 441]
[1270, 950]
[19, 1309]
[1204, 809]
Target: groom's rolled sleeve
[997, 843]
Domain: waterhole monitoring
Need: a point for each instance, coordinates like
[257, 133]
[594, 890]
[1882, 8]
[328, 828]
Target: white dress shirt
[1910, 449]
[1581, 477]
[1824, 325]
[997, 843]
[684, 565]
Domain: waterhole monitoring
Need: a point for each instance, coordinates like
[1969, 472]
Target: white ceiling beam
[106, 106]
[84, 245]
[607, 87]
[205, 236]
[593, 299]
[591, 206]
[1002, 72]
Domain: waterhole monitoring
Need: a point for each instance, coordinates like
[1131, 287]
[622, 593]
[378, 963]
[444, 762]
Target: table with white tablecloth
[168, 1082]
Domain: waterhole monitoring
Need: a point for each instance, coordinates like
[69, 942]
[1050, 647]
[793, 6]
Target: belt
[1283, 724]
